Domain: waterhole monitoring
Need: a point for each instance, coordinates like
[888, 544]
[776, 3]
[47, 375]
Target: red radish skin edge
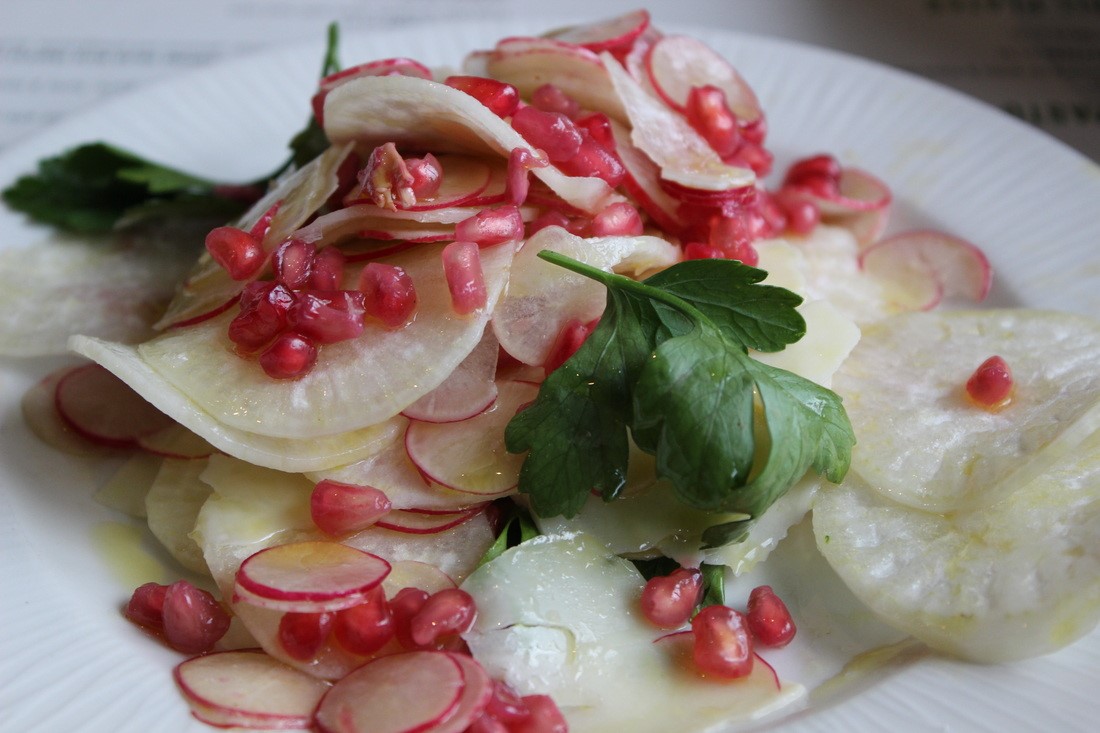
[117, 417]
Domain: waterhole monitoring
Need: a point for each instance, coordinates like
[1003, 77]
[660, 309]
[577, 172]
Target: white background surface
[1038, 58]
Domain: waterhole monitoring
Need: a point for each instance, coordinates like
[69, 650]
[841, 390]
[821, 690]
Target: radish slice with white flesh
[675, 64]
[401, 693]
[463, 179]
[284, 454]
[424, 114]
[39, 408]
[866, 226]
[470, 456]
[104, 409]
[421, 522]
[353, 384]
[529, 63]
[249, 689]
[415, 574]
[923, 267]
[208, 288]
[643, 182]
[542, 297]
[476, 693]
[172, 505]
[394, 474]
[469, 390]
[309, 577]
[857, 191]
[682, 155]
[612, 34]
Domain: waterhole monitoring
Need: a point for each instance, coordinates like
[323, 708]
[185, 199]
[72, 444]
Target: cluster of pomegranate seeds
[617, 220]
[448, 612]
[991, 385]
[340, 509]
[669, 600]
[500, 98]
[708, 112]
[367, 627]
[190, 619]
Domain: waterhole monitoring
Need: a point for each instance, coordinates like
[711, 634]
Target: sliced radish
[464, 178]
[643, 183]
[923, 267]
[856, 191]
[249, 689]
[682, 155]
[469, 390]
[616, 34]
[102, 408]
[470, 456]
[175, 441]
[421, 522]
[675, 64]
[401, 693]
[39, 407]
[475, 696]
[866, 226]
[309, 577]
[416, 574]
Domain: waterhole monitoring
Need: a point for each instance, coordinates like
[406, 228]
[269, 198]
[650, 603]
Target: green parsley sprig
[668, 366]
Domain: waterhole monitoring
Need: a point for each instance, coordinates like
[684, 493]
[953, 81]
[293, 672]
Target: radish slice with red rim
[857, 191]
[401, 693]
[102, 408]
[475, 696]
[469, 390]
[616, 35]
[420, 522]
[675, 64]
[309, 577]
[39, 407]
[249, 689]
[922, 267]
[470, 456]
[463, 179]
[416, 574]
[643, 183]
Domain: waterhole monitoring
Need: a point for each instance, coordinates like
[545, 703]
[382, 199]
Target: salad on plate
[527, 396]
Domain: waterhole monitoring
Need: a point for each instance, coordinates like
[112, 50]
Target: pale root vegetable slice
[421, 522]
[103, 409]
[114, 289]
[391, 472]
[529, 63]
[924, 444]
[208, 289]
[127, 487]
[402, 693]
[415, 574]
[172, 505]
[542, 298]
[1016, 579]
[433, 116]
[684, 158]
[39, 408]
[284, 454]
[611, 34]
[559, 615]
[353, 385]
[643, 182]
[921, 268]
[677, 63]
[309, 577]
[469, 390]
[249, 689]
[175, 441]
[830, 338]
[470, 455]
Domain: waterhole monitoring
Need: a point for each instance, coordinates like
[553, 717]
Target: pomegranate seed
[486, 723]
[501, 99]
[594, 160]
[146, 606]
[339, 508]
[193, 619]
[327, 270]
[550, 98]
[669, 600]
[427, 175]
[700, 251]
[617, 220]
[571, 337]
[801, 214]
[722, 646]
[549, 218]
[552, 132]
[752, 156]
[288, 357]
[367, 627]
[769, 620]
[238, 252]
[293, 262]
[708, 112]
[386, 179]
[388, 293]
[772, 214]
[544, 718]
[598, 125]
[446, 613]
[404, 605]
[263, 224]
[755, 131]
[465, 280]
[817, 166]
[506, 705]
[991, 384]
[520, 163]
[301, 635]
[328, 317]
[491, 226]
[263, 316]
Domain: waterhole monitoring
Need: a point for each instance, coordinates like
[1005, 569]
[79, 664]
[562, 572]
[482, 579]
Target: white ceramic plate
[68, 660]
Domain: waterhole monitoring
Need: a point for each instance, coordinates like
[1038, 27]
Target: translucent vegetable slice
[353, 384]
[432, 116]
[172, 505]
[924, 444]
[1016, 579]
